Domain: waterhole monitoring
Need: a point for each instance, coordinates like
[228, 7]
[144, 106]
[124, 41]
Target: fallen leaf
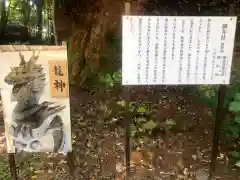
[237, 164]
[201, 174]
[194, 157]
[136, 157]
[120, 167]
[34, 177]
[199, 154]
[180, 164]
[221, 156]
[170, 122]
[185, 171]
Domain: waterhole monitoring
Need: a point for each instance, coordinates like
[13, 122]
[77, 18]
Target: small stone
[185, 171]
[180, 97]
[180, 164]
[194, 156]
[164, 97]
[221, 156]
[50, 171]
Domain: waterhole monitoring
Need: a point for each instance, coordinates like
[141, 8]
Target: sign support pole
[12, 165]
[128, 122]
[219, 120]
[128, 117]
[70, 156]
[217, 129]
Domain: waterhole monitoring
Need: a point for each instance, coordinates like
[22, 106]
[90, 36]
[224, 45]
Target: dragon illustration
[32, 119]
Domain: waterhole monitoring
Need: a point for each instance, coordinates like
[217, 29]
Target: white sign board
[172, 50]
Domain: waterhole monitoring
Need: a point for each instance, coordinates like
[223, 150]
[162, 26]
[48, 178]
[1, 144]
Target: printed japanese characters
[58, 78]
[58, 84]
[35, 119]
[177, 50]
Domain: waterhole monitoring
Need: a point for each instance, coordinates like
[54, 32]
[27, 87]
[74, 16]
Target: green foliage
[108, 75]
[234, 126]
[237, 118]
[4, 172]
[121, 103]
[143, 121]
[113, 40]
[143, 125]
[231, 123]
[169, 124]
[208, 95]
[236, 155]
[110, 80]
[234, 106]
[133, 130]
[142, 109]
[149, 125]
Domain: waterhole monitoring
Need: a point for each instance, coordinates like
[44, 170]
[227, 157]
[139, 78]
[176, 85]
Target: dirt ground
[98, 142]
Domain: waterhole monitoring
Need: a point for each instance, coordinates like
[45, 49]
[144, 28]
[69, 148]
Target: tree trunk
[26, 12]
[39, 4]
[54, 21]
[3, 20]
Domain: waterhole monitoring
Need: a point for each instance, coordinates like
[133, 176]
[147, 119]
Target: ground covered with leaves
[176, 144]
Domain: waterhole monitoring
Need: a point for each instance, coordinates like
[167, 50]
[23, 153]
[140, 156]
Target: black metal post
[217, 129]
[12, 166]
